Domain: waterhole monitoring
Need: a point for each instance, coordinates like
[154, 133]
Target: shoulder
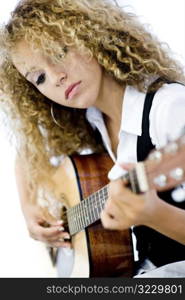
[170, 91]
[167, 113]
[169, 96]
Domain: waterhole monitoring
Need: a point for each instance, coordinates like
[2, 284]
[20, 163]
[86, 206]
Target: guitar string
[99, 208]
[93, 205]
[132, 178]
[92, 198]
[88, 220]
[79, 228]
[88, 208]
[96, 199]
[98, 204]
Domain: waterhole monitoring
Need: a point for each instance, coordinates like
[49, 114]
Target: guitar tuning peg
[171, 148]
[156, 155]
[177, 173]
[178, 195]
[160, 180]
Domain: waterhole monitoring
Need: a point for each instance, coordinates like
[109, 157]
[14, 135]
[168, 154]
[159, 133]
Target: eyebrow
[31, 70]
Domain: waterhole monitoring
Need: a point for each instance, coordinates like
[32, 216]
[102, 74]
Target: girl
[80, 74]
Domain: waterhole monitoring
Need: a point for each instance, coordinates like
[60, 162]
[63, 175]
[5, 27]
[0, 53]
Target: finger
[47, 232]
[64, 236]
[48, 223]
[111, 207]
[108, 222]
[115, 187]
[127, 166]
[56, 223]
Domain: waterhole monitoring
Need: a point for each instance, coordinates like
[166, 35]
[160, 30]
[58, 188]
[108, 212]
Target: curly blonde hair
[121, 45]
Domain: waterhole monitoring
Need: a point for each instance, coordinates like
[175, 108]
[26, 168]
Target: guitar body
[98, 252]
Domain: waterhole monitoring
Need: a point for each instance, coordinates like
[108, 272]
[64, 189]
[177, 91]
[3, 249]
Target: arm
[51, 233]
[127, 209]
[124, 209]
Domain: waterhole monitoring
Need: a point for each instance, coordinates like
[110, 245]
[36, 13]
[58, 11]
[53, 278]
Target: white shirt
[167, 118]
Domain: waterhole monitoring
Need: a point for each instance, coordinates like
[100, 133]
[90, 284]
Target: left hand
[124, 208]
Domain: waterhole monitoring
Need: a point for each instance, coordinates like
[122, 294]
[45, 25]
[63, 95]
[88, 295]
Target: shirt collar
[132, 112]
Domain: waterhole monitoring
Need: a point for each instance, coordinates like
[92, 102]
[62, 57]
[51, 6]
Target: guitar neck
[88, 210]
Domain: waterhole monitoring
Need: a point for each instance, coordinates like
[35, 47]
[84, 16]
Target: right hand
[51, 233]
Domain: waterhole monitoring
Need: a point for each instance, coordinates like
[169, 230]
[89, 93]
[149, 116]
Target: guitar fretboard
[87, 211]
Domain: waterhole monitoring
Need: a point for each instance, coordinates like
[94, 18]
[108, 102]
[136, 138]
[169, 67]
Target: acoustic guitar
[84, 188]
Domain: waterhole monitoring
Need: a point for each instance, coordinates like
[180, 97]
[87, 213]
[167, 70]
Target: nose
[61, 79]
[57, 77]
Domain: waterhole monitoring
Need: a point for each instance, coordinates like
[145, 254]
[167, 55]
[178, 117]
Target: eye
[41, 79]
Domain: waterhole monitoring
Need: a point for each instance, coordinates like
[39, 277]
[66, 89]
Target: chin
[84, 104]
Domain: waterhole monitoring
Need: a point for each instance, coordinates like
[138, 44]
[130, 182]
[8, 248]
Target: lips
[71, 89]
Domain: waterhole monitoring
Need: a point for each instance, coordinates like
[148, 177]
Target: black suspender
[150, 243]
[144, 144]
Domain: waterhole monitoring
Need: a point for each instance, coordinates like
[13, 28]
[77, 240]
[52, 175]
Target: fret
[105, 194]
[76, 218]
[82, 212]
[96, 212]
[99, 209]
[80, 216]
[101, 200]
[73, 225]
[87, 211]
[86, 215]
[87, 220]
[70, 221]
[73, 218]
[90, 209]
[93, 201]
[90, 200]
[97, 204]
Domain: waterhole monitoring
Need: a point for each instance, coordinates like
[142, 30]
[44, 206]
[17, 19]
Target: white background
[20, 256]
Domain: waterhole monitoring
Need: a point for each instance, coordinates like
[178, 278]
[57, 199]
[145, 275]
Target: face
[75, 82]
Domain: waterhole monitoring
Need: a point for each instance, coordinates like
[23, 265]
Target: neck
[110, 98]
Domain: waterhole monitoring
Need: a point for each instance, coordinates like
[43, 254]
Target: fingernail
[61, 229]
[67, 237]
[60, 222]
